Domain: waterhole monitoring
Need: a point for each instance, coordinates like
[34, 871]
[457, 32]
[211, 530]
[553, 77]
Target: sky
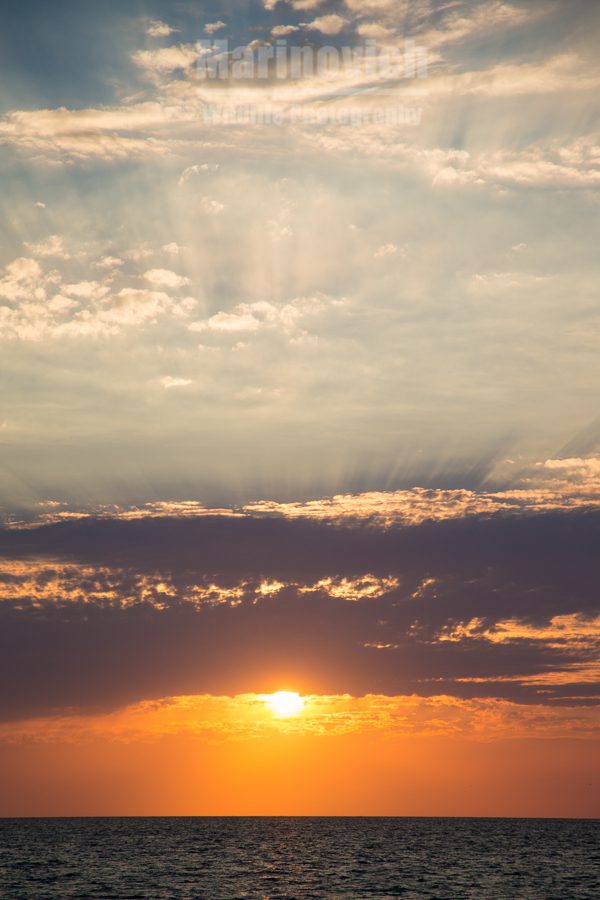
[299, 393]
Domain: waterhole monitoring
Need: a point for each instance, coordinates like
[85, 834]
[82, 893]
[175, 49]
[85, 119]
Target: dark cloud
[109, 612]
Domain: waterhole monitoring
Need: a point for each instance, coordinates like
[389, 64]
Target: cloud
[283, 30]
[21, 279]
[579, 487]
[374, 30]
[169, 382]
[107, 133]
[86, 290]
[370, 6]
[299, 5]
[411, 382]
[563, 72]
[211, 206]
[46, 307]
[51, 246]
[158, 29]
[261, 315]
[166, 278]
[222, 321]
[354, 589]
[386, 250]
[132, 307]
[460, 21]
[166, 59]
[197, 169]
[213, 27]
[172, 123]
[575, 467]
[303, 5]
[329, 25]
[110, 262]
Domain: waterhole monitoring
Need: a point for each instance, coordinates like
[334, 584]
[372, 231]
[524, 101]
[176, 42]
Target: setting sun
[285, 703]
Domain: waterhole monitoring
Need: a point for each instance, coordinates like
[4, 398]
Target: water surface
[341, 858]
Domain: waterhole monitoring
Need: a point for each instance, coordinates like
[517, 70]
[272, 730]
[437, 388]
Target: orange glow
[370, 755]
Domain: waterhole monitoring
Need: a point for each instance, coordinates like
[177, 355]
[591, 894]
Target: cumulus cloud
[133, 307]
[330, 24]
[197, 169]
[43, 305]
[213, 27]
[50, 246]
[574, 465]
[166, 278]
[110, 262]
[158, 29]
[21, 279]
[242, 320]
[283, 30]
[252, 317]
[86, 290]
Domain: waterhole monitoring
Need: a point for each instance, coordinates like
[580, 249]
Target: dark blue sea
[341, 858]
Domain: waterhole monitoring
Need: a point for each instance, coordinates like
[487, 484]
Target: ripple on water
[299, 858]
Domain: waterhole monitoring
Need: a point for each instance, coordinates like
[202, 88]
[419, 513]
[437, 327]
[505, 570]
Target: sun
[285, 703]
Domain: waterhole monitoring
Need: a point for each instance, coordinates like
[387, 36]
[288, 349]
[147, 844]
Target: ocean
[342, 858]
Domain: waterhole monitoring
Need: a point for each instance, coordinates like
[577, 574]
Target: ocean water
[342, 858]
